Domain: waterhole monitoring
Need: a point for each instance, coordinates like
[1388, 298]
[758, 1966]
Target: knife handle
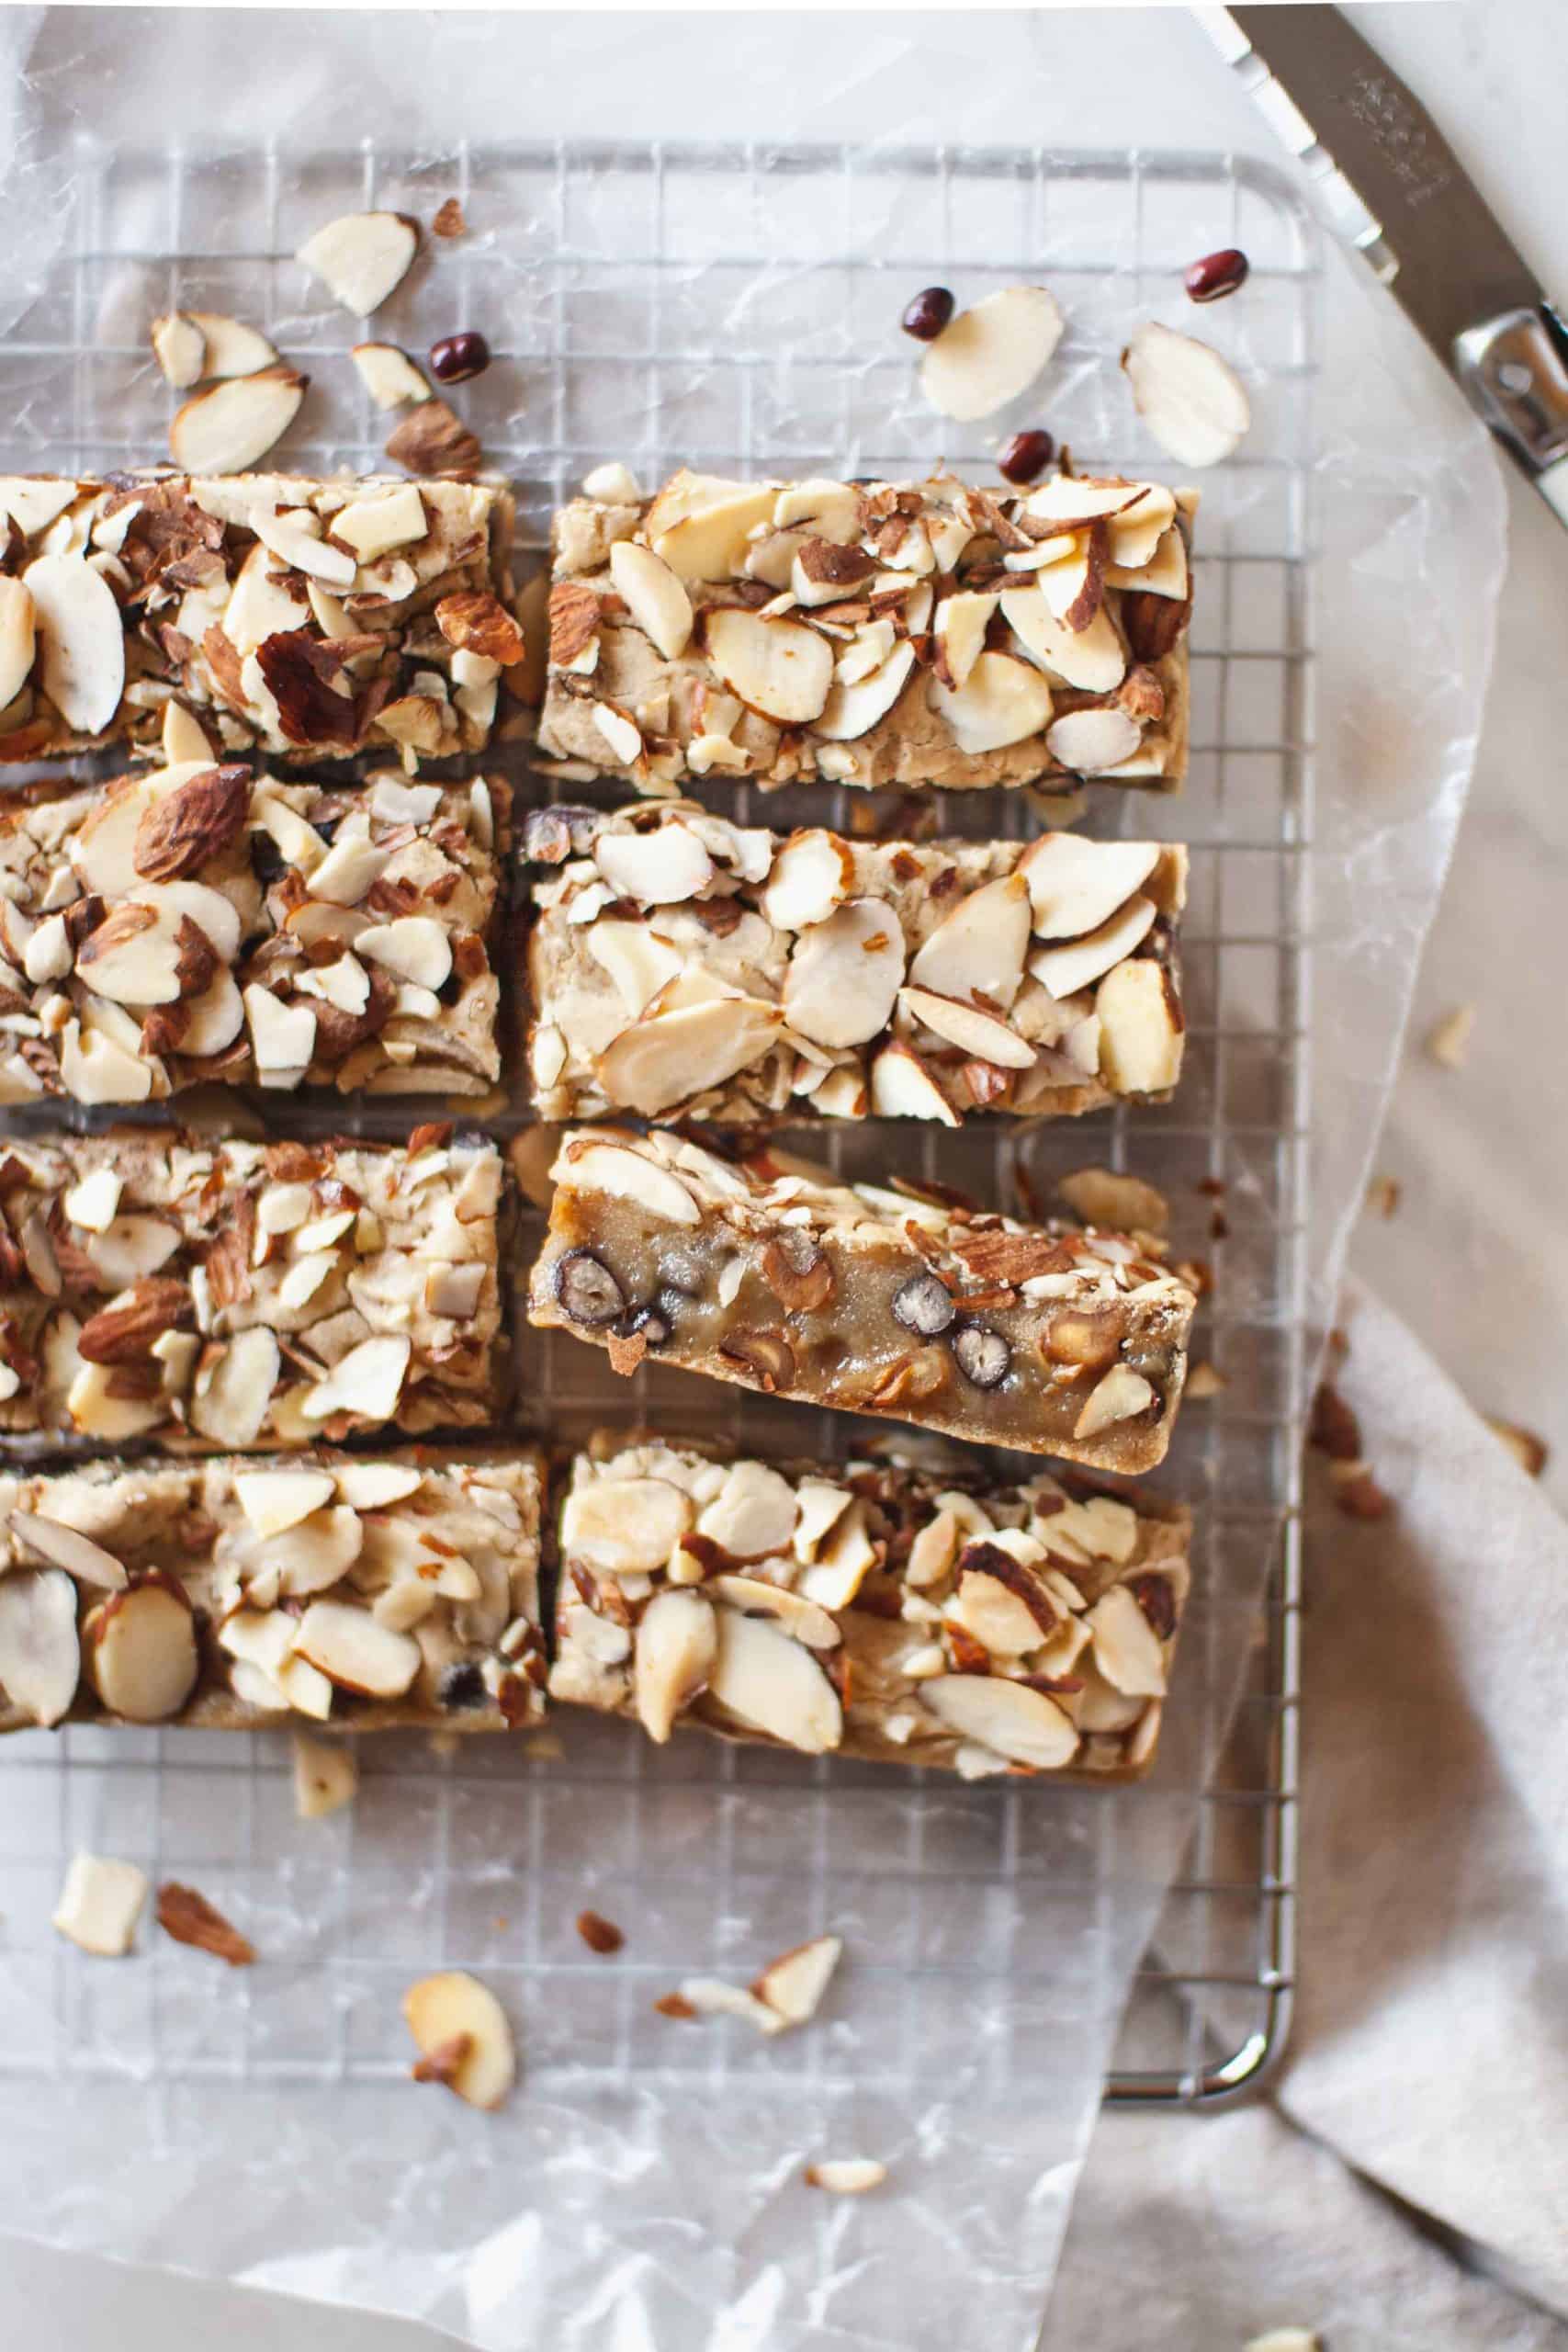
[1514, 370]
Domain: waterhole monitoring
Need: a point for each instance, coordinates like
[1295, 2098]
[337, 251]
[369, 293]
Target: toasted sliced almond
[140, 1649]
[903, 1088]
[355, 1652]
[1076, 963]
[39, 1649]
[1192, 400]
[655, 597]
[672, 1057]
[846, 2176]
[231, 348]
[1002, 701]
[779, 668]
[625, 1526]
[100, 1904]
[658, 868]
[391, 379]
[990, 354]
[962, 620]
[1165, 574]
[361, 257]
[228, 427]
[700, 525]
[462, 2030]
[1141, 1033]
[1117, 1397]
[180, 349]
[1012, 1720]
[677, 1642]
[79, 638]
[844, 975]
[628, 1175]
[978, 949]
[1126, 1647]
[828, 510]
[974, 1032]
[775, 1684]
[855, 706]
[326, 1777]
[795, 1983]
[1092, 659]
[812, 873]
[1075, 886]
[65, 1548]
[1089, 741]
[35, 501]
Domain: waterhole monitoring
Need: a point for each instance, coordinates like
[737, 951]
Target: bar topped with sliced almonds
[361, 1591]
[199, 922]
[873, 633]
[681, 966]
[157, 1286]
[874, 1609]
[768, 1272]
[202, 617]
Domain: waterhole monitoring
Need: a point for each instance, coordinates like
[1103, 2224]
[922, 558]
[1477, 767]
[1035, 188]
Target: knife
[1393, 188]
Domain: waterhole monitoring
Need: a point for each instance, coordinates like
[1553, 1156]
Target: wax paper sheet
[733, 303]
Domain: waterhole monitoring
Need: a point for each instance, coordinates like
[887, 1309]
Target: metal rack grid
[715, 307]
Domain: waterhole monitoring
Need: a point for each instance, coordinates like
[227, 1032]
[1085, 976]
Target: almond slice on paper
[1141, 1028]
[778, 668]
[463, 2033]
[775, 1684]
[795, 1982]
[844, 975]
[140, 1649]
[65, 1548]
[228, 427]
[1089, 741]
[990, 354]
[1009, 1718]
[1092, 659]
[39, 1649]
[361, 257]
[388, 374]
[1001, 702]
[1193, 402]
[655, 597]
[1076, 885]
[326, 1777]
[230, 348]
[846, 2176]
[973, 1032]
[18, 639]
[100, 1906]
[903, 1088]
[677, 1640]
[1075, 962]
[854, 706]
[81, 640]
[180, 349]
[667, 1057]
[978, 949]
[710, 1996]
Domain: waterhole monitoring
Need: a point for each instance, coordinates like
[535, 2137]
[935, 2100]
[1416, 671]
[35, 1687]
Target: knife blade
[1393, 187]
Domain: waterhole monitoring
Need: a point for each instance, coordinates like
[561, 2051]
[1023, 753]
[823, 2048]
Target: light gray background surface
[1475, 1260]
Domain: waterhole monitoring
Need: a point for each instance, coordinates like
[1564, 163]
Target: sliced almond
[1025, 1725]
[638, 961]
[779, 668]
[366, 1383]
[372, 527]
[92, 1203]
[845, 1557]
[294, 538]
[355, 1652]
[846, 2176]
[854, 708]
[775, 1685]
[1077, 963]
[1165, 574]
[669, 1057]
[100, 1904]
[1192, 400]
[361, 257]
[812, 873]
[1075, 886]
[274, 1501]
[80, 640]
[376, 1485]
[34, 502]
[232, 1405]
[180, 349]
[962, 620]
[1117, 1397]
[326, 1777]
[1104, 1196]
[39, 1649]
[1141, 1033]
[973, 1031]
[141, 1652]
[677, 1640]
[391, 379]
[65, 1548]
[903, 1088]
[230, 348]
[96, 1070]
[283, 1036]
[1002, 701]
[753, 1514]
[317, 1552]
[1137, 533]
[228, 427]
[844, 975]
[628, 1175]
[700, 525]
[801, 1619]
[462, 2030]
[710, 1996]
[416, 947]
[658, 868]
[1089, 741]
[1092, 659]
[978, 949]
[831, 510]
[990, 354]
[623, 1526]
[795, 1983]
[655, 597]
[17, 638]
[1126, 1647]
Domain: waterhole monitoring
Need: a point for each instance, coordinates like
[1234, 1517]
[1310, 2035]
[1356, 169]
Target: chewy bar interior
[873, 633]
[682, 967]
[881, 1612]
[155, 1286]
[200, 923]
[309, 620]
[390, 1589]
[770, 1272]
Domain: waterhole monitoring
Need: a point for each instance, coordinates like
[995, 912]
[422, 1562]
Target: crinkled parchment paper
[644, 2188]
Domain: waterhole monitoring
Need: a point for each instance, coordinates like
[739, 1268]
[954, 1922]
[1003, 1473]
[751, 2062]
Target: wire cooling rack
[734, 309]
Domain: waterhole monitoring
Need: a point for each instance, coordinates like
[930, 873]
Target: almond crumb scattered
[1383, 1195]
[599, 1933]
[1532, 1453]
[1448, 1041]
[1287, 2339]
[847, 2176]
[674, 2005]
[191, 1919]
[1205, 1380]
[449, 221]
